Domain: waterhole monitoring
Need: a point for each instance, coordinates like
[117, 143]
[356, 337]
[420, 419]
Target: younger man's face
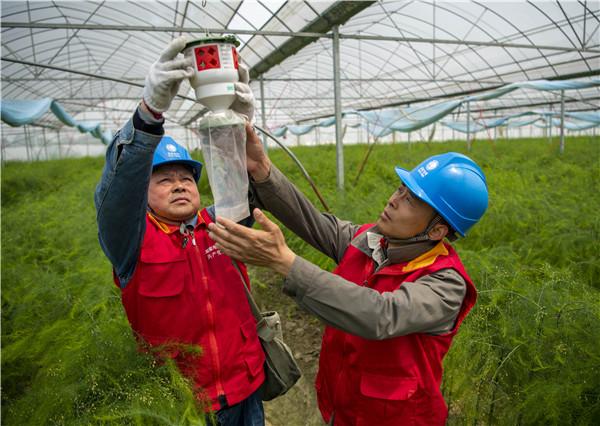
[404, 215]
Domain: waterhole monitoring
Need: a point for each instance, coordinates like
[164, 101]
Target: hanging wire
[298, 163]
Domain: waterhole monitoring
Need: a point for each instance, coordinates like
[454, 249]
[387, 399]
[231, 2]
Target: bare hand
[265, 247]
[257, 162]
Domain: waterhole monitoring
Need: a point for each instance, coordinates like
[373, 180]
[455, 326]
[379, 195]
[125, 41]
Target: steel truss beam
[291, 80]
[300, 34]
[454, 94]
[336, 15]
[87, 74]
[407, 102]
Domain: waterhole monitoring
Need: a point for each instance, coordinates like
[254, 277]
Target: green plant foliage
[527, 354]
[68, 354]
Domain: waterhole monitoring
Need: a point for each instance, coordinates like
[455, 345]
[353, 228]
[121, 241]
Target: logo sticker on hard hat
[172, 151]
[432, 165]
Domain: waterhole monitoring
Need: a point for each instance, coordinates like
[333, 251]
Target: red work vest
[191, 294]
[394, 381]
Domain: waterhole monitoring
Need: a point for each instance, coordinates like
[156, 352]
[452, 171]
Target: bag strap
[262, 328]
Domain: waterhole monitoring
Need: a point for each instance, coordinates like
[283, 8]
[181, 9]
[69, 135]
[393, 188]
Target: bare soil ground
[302, 333]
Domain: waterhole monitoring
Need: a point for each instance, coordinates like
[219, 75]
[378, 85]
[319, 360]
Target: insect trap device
[222, 131]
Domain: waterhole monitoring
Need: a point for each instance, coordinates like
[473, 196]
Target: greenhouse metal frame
[308, 61]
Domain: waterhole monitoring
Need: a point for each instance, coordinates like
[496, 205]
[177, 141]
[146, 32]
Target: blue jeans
[248, 412]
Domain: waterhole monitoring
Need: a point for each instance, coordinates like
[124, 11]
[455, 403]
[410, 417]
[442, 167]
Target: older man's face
[404, 215]
[173, 193]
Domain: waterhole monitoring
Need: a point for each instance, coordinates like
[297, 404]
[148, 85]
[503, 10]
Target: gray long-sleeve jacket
[428, 305]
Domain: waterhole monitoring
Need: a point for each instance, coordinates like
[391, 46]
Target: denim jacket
[121, 197]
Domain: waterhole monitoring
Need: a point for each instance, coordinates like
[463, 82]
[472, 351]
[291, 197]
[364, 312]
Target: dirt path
[303, 334]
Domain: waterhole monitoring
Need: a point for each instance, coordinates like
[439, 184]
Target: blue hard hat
[168, 151]
[453, 185]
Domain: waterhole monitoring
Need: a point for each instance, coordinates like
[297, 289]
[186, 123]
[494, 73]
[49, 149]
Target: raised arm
[429, 305]
[121, 197]
[273, 192]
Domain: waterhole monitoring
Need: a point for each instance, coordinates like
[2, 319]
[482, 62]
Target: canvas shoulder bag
[281, 369]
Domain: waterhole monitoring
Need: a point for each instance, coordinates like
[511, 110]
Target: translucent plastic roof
[92, 56]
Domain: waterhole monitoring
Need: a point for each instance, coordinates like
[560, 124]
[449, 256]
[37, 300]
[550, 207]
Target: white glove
[165, 76]
[244, 98]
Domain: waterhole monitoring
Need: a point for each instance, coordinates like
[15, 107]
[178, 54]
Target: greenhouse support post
[454, 118]
[31, 144]
[359, 133]
[339, 149]
[468, 126]
[58, 142]
[45, 144]
[263, 118]
[562, 121]
[187, 139]
[26, 143]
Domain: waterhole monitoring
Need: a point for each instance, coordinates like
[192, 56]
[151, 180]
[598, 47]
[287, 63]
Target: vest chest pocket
[161, 275]
[389, 400]
[386, 387]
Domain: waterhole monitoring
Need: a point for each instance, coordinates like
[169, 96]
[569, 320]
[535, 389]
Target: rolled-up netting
[19, 112]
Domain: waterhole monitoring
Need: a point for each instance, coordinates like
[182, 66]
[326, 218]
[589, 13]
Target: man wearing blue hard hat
[397, 297]
[178, 289]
